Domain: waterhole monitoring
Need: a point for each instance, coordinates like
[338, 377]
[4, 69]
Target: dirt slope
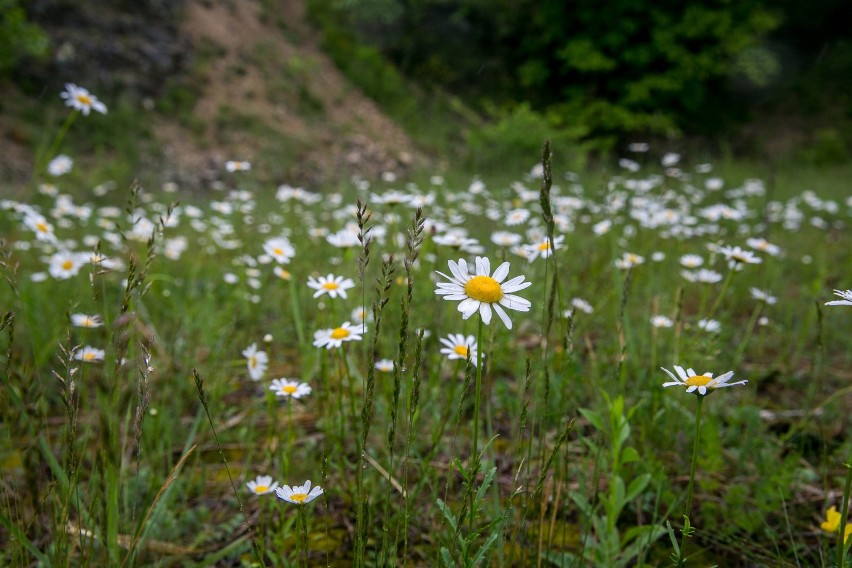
[271, 96]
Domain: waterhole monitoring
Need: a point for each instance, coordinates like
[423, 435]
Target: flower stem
[477, 391]
[721, 294]
[297, 314]
[57, 141]
[289, 436]
[695, 443]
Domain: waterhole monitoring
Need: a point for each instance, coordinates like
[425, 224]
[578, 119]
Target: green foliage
[19, 38]
[515, 134]
[645, 67]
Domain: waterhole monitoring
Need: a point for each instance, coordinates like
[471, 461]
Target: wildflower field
[447, 370]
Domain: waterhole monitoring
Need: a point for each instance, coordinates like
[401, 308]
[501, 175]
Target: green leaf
[637, 486]
[594, 418]
[448, 515]
[629, 455]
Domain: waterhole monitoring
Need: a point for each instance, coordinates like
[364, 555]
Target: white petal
[501, 272]
[483, 266]
[503, 316]
[515, 284]
[485, 312]
[681, 373]
[468, 307]
[515, 303]
[721, 379]
[669, 373]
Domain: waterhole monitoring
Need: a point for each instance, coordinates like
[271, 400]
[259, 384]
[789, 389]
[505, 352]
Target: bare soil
[271, 94]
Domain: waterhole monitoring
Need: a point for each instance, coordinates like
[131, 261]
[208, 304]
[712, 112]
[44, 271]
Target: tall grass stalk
[413, 402]
[382, 292]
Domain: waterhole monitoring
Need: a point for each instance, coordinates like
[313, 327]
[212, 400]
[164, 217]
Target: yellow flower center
[698, 381]
[41, 226]
[88, 356]
[83, 99]
[277, 251]
[252, 361]
[484, 289]
[331, 286]
[544, 246]
[460, 350]
[67, 265]
[283, 274]
[339, 333]
[632, 258]
[289, 389]
[299, 497]
[261, 489]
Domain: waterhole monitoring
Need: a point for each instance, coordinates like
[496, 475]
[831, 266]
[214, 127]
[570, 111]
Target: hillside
[253, 84]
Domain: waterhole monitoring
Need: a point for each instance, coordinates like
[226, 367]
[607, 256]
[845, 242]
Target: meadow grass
[550, 443]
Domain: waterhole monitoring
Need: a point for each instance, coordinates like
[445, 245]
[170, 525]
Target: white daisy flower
[483, 292]
[65, 264]
[237, 166]
[764, 246]
[280, 249]
[762, 296]
[457, 346]
[702, 383]
[517, 216]
[60, 165]
[42, 229]
[691, 261]
[83, 320]
[629, 260]
[286, 387]
[736, 256]
[331, 338]
[384, 365]
[299, 495]
[710, 325]
[256, 361]
[661, 321]
[543, 249]
[262, 485]
[90, 354]
[582, 305]
[332, 285]
[846, 301]
[81, 99]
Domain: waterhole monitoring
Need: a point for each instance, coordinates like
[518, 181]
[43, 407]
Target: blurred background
[316, 90]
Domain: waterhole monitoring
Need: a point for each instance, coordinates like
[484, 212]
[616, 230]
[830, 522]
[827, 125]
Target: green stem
[297, 315]
[289, 436]
[749, 331]
[477, 391]
[57, 141]
[721, 294]
[695, 444]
